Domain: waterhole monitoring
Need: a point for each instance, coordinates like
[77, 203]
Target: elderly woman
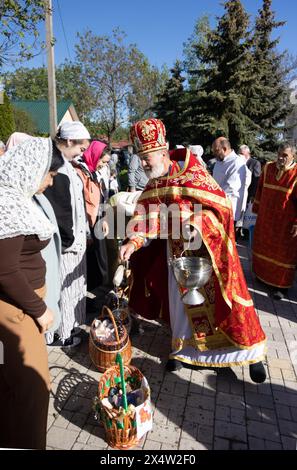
[52, 252]
[25, 170]
[94, 159]
[17, 138]
[66, 198]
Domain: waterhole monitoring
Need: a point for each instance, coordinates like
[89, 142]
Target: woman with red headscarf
[93, 159]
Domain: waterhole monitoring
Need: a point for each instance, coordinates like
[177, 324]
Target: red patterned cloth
[148, 135]
[274, 248]
[235, 315]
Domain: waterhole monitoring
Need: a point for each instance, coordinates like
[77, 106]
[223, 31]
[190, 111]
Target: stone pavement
[193, 409]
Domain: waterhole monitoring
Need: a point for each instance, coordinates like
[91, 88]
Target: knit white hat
[74, 130]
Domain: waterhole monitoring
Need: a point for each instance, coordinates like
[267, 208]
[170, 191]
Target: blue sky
[158, 27]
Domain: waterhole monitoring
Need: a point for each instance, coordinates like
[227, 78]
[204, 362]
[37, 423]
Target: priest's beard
[156, 172]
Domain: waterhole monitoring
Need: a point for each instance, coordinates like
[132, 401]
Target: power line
[64, 33]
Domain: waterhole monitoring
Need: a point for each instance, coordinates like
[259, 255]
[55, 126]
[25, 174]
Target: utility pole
[52, 97]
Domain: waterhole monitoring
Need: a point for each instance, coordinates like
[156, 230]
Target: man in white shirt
[231, 173]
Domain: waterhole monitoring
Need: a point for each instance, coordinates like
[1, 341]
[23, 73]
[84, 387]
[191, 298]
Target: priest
[275, 235]
[224, 330]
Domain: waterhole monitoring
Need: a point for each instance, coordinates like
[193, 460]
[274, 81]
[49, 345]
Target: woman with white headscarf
[17, 138]
[27, 169]
[51, 253]
[67, 200]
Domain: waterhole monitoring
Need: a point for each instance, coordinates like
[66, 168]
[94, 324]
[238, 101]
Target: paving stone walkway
[193, 409]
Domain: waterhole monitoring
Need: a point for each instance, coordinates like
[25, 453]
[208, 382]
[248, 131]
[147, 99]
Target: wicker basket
[120, 431]
[123, 315]
[103, 353]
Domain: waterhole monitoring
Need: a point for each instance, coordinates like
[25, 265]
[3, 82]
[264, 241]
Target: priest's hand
[126, 251]
[294, 231]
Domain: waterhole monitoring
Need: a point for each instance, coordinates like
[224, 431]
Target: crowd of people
[51, 196]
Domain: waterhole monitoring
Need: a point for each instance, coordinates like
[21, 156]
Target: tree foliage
[72, 86]
[171, 107]
[97, 131]
[26, 84]
[237, 81]
[24, 122]
[117, 76]
[7, 124]
[107, 66]
[191, 51]
[110, 83]
[146, 82]
[218, 106]
[31, 84]
[19, 18]
[269, 102]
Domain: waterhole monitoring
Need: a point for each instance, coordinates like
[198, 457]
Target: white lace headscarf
[22, 170]
[17, 138]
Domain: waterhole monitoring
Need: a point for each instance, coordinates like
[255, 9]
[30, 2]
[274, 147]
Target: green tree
[110, 83]
[269, 102]
[31, 84]
[171, 106]
[97, 131]
[218, 106]
[107, 66]
[17, 20]
[7, 125]
[72, 86]
[122, 133]
[191, 51]
[146, 83]
[111, 69]
[24, 122]
[27, 84]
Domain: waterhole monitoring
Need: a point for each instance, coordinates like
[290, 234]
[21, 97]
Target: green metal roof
[39, 112]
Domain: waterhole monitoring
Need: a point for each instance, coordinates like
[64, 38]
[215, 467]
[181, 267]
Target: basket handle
[109, 312]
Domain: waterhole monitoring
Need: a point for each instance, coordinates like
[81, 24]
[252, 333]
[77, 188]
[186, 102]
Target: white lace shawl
[22, 170]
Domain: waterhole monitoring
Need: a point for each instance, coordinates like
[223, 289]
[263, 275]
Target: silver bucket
[192, 273]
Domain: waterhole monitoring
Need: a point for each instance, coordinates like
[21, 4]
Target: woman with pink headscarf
[93, 159]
